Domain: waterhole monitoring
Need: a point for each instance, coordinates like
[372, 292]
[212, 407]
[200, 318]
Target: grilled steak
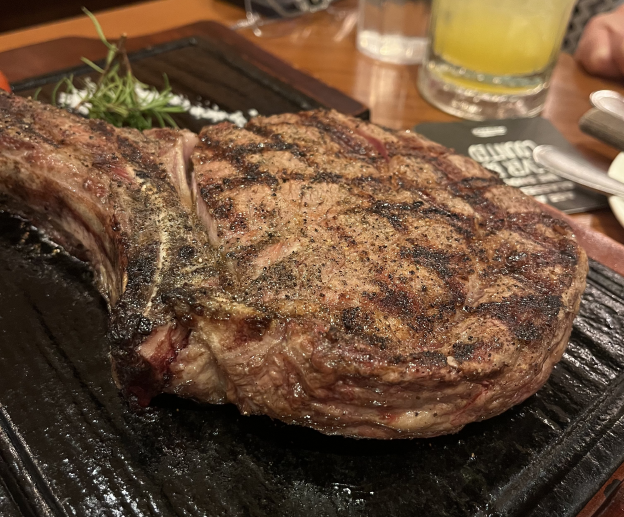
[108, 196]
[315, 268]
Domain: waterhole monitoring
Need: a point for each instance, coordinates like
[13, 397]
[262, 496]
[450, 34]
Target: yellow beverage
[500, 37]
[492, 58]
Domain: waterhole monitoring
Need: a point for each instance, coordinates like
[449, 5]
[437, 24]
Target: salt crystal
[213, 114]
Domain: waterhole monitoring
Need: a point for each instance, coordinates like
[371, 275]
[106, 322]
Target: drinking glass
[394, 31]
[492, 59]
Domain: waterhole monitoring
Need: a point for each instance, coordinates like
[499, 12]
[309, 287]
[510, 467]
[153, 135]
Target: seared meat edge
[359, 281]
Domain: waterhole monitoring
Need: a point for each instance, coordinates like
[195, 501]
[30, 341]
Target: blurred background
[18, 15]
[25, 13]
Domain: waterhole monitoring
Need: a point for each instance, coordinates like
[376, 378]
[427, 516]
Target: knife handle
[603, 126]
[577, 169]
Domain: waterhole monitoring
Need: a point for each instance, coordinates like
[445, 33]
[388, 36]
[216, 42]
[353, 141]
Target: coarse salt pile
[74, 99]
[212, 113]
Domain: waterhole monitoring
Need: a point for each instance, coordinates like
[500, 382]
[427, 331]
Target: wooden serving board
[69, 445]
[54, 56]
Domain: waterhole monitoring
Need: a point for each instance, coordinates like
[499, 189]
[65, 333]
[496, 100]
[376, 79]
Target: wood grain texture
[609, 500]
[136, 20]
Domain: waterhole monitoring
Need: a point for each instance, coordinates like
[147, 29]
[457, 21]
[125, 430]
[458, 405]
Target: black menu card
[506, 147]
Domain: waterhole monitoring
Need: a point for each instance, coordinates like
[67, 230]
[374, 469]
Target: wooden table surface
[323, 45]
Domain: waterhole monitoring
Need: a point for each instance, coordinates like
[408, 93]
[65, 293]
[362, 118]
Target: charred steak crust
[312, 267]
[406, 291]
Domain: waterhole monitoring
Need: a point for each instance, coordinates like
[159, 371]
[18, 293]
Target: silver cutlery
[605, 121]
[577, 169]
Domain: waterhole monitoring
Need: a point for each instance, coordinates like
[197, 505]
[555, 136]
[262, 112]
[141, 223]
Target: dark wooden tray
[69, 445]
[205, 60]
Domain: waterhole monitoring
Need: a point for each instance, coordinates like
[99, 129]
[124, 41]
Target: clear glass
[394, 31]
[492, 59]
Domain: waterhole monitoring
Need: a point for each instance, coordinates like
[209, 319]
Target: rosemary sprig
[118, 97]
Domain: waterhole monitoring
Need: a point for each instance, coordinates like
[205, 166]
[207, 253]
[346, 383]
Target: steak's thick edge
[109, 196]
[314, 267]
[406, 291]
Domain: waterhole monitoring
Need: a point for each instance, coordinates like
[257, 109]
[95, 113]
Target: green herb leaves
[118, 97]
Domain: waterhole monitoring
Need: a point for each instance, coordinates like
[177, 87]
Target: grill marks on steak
[366, 237]
[418, 273]
[311, 267]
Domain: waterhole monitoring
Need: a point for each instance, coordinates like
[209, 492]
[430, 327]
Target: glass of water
[491, 59]
[394, 31]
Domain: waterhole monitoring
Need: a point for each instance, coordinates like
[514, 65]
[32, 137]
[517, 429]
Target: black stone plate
[69, 445]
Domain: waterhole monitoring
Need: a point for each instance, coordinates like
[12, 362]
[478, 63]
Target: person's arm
[601, 48]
